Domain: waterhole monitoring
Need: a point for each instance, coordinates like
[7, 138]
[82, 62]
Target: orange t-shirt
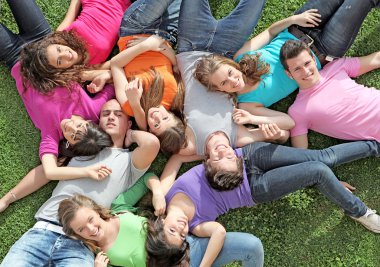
[140, 67]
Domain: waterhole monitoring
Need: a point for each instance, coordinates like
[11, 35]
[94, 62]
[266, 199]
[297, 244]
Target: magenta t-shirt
[338, 106]
[47, 111]
[98, 24]
[210, 203]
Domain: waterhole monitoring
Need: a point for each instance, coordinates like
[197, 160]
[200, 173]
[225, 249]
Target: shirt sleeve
[301, 121]
[103, 96]
[49, 143]
[352, 66]
[126, 200]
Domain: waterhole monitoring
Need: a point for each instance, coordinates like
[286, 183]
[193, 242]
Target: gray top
[206, 112]
[123, 176]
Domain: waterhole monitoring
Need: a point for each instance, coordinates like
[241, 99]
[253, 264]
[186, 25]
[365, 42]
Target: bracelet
[13, 195]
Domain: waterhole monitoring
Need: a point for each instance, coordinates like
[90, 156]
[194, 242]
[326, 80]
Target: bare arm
[217, 234]
[171, 169]
[54, 172]
[71, 15]
[158, 199]
[300, 141]
[147, 150]
[369, 63]
[309, 18]
[260, 115]
[266, 132]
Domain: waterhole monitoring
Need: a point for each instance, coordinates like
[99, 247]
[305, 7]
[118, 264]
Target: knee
[321, 170]
[255, 247]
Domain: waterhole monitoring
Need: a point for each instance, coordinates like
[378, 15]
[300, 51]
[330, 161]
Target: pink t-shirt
[338, 106]
[47, 111]
[98, 24]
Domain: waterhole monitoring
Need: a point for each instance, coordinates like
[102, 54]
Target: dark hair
[68, 209]
[92, 141]
[223, 180]
[160, 253]
[38, 73]
[250, 65]
[291, 49]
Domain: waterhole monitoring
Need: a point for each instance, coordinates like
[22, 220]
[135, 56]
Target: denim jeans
[237, 246]
[200, 31]
[40, 247]
[341, 21]
[32, 26]
[152, 17]
[274, 171]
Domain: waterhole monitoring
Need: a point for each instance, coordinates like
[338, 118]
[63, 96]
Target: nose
[111, 117]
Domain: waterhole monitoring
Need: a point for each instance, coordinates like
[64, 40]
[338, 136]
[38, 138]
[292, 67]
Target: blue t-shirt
[275, 85]
[210, 203]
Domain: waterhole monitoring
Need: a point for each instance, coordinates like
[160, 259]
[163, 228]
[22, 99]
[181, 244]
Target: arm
[98, 79]
[171, 169]
[266, 132]
[217, 234]
[309, 18]
[300, 141]
[147, 150]
[253, 114]
[169, 53]
[369, 63]
[158, 199]
[71, 15]
[54, 172]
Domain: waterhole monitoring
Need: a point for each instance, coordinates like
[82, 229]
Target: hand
[98, 171]
[159, 203]
[348, 187]
[241, 116]
[309, 18]
[271, 131]
[133, 91]
[101, 260]
[128, 138]
[98, 82]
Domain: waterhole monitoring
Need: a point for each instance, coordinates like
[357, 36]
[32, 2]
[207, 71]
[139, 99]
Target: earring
[67, 144]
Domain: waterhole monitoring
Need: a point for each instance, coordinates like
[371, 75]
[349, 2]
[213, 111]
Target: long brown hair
[38, 73]
[68, 209]
[251, 67]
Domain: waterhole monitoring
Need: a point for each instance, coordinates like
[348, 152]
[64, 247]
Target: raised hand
[241, 116]
[101, 260]
[133, 91]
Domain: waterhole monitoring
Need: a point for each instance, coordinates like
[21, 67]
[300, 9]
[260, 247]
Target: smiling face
[159, 119]
[303, 69]
[221, 156]
[73, 129]
[227, 79]
[176, 227]
[61, 56]
[88, 224]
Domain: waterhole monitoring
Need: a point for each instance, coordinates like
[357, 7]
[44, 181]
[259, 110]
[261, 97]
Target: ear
[289, 74]
[129, 123]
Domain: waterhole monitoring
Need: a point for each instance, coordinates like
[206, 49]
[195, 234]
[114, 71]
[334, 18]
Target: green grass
[303, 229]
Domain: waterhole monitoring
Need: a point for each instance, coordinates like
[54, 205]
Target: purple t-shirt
[210, 203]
[47, 111]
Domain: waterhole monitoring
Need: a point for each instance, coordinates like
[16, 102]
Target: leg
[205, 33]
[143, 16]
[32, 26]
[237, 246]
[279, 182]
[169, 22]
[33, 181]
[342, 26]
[265, 156]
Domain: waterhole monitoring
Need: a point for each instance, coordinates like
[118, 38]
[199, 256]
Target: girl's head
[55, 60]
[168, 126]
[84, 138]
[219, 73]
[84, 219]
[161, 250]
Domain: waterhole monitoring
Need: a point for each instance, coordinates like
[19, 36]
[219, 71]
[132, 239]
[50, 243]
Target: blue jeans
[40, 247]
[274, 171]
[237, 246]
[341, 21]
[32, 26]
[200, 31]
[152, 17]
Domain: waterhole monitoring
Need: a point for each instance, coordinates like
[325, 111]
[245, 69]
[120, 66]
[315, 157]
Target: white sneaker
[370, 220]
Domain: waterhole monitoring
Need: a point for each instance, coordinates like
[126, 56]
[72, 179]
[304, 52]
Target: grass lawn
[303, 229]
